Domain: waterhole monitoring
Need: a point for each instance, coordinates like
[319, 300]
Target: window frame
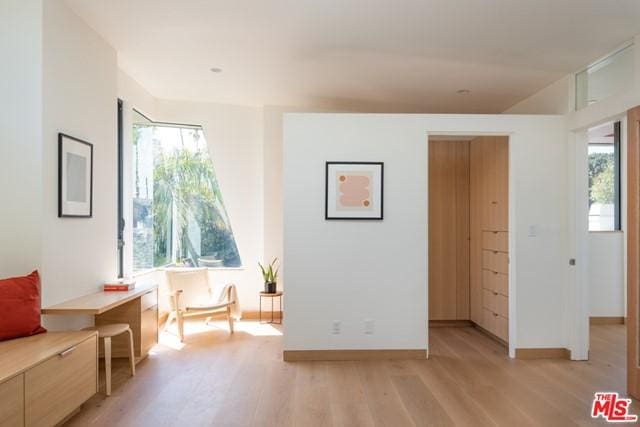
[142, 272]
[120, 202]
[617, 179]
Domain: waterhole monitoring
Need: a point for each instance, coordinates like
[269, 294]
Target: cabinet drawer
[149, 329]
[489, 321]
[496, 324]
[148, 300]
[502, 328]
[12, 402]
[489, 301]
[495, 240]
[495, 261]
[494, 281]
[56, 387]
[495, 302]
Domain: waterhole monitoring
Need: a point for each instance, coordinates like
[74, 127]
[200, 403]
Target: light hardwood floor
[240, 380]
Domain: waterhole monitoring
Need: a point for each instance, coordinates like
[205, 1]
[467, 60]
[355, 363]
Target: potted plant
[270, 276]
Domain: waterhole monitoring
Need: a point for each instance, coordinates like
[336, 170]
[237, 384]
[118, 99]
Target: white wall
[61, 78]
[20, 136]
[350, 271]
[553, 99]
[79, 99]
[605, 256]
[606, 275]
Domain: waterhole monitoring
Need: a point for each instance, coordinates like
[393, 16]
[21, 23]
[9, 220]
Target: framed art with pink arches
[354, 190]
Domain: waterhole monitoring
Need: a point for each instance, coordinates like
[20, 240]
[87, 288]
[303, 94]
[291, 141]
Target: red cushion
[20, 307]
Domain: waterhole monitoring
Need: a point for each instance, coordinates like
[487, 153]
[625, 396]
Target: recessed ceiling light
[463, 91]
[216, 70]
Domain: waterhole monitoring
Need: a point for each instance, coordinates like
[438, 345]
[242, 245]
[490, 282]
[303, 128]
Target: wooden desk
[138, 308]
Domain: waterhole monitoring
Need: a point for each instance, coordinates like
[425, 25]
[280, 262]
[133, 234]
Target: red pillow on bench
[20, 307]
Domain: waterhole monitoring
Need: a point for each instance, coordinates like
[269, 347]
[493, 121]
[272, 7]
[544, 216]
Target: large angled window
[179, 216]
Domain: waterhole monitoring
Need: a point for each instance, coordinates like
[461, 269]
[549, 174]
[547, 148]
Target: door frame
[512, 344]
[633, 249]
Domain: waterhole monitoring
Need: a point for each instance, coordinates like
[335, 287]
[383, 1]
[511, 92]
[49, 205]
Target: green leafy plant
[270, 273]
[603, 190]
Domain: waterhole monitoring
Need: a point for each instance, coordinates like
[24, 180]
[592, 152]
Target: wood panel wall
[449, 199]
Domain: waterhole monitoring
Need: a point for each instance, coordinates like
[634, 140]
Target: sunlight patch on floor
[169, 338]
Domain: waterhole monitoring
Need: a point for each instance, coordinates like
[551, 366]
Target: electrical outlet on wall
[369, 326]
[336, 327]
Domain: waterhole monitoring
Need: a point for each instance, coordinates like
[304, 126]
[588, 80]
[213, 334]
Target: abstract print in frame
[354, 190]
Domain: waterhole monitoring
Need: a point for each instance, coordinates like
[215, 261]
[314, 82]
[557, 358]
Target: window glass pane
[603, 178]
[178, 210]
[608, 77]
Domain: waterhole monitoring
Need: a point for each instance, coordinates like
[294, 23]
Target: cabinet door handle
[495, 293]
[67, 352]
[495, 314]
[494, 272]
[494, 203]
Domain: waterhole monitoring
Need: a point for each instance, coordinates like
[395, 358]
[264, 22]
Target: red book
[119, 286]
[113, 288]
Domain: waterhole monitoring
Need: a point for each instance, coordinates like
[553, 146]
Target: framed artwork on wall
[354, 190]
[75, 177]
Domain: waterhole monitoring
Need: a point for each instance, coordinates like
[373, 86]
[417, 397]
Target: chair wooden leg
[230, 318]
[107, 364]
[132, 360]
[171, 318]
[180, 326]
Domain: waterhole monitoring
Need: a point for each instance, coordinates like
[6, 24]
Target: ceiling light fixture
[463, 91]
[216, 70]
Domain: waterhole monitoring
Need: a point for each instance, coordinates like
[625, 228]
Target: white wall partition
[80, 94]
[20, 136]
[351, 271]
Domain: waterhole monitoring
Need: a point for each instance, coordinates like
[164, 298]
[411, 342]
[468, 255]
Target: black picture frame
[62, 139]
[352, 218]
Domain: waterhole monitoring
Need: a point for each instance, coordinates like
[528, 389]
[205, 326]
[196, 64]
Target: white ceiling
[366, 55]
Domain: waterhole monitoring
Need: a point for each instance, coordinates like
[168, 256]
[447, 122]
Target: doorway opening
[469, 233]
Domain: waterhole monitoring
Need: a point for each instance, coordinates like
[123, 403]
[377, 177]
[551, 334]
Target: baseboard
[266, 315]
[543, 353]
[335, 355]
[490, 335]
[450, 323]
[607, 320]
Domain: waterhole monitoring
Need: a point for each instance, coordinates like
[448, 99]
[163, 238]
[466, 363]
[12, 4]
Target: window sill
[153, 270]
[606, 232]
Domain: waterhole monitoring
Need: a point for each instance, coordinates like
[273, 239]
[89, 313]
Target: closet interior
[468, 233]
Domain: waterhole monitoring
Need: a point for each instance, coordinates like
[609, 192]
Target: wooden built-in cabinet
[449, 230]
[489, 224]
[46, 377]
[469, 232]
[141, 314]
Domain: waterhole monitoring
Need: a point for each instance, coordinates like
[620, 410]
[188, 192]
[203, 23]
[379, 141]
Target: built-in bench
[45, 378]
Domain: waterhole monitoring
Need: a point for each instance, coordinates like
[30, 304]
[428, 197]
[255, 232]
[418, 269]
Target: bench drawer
[56, 387]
